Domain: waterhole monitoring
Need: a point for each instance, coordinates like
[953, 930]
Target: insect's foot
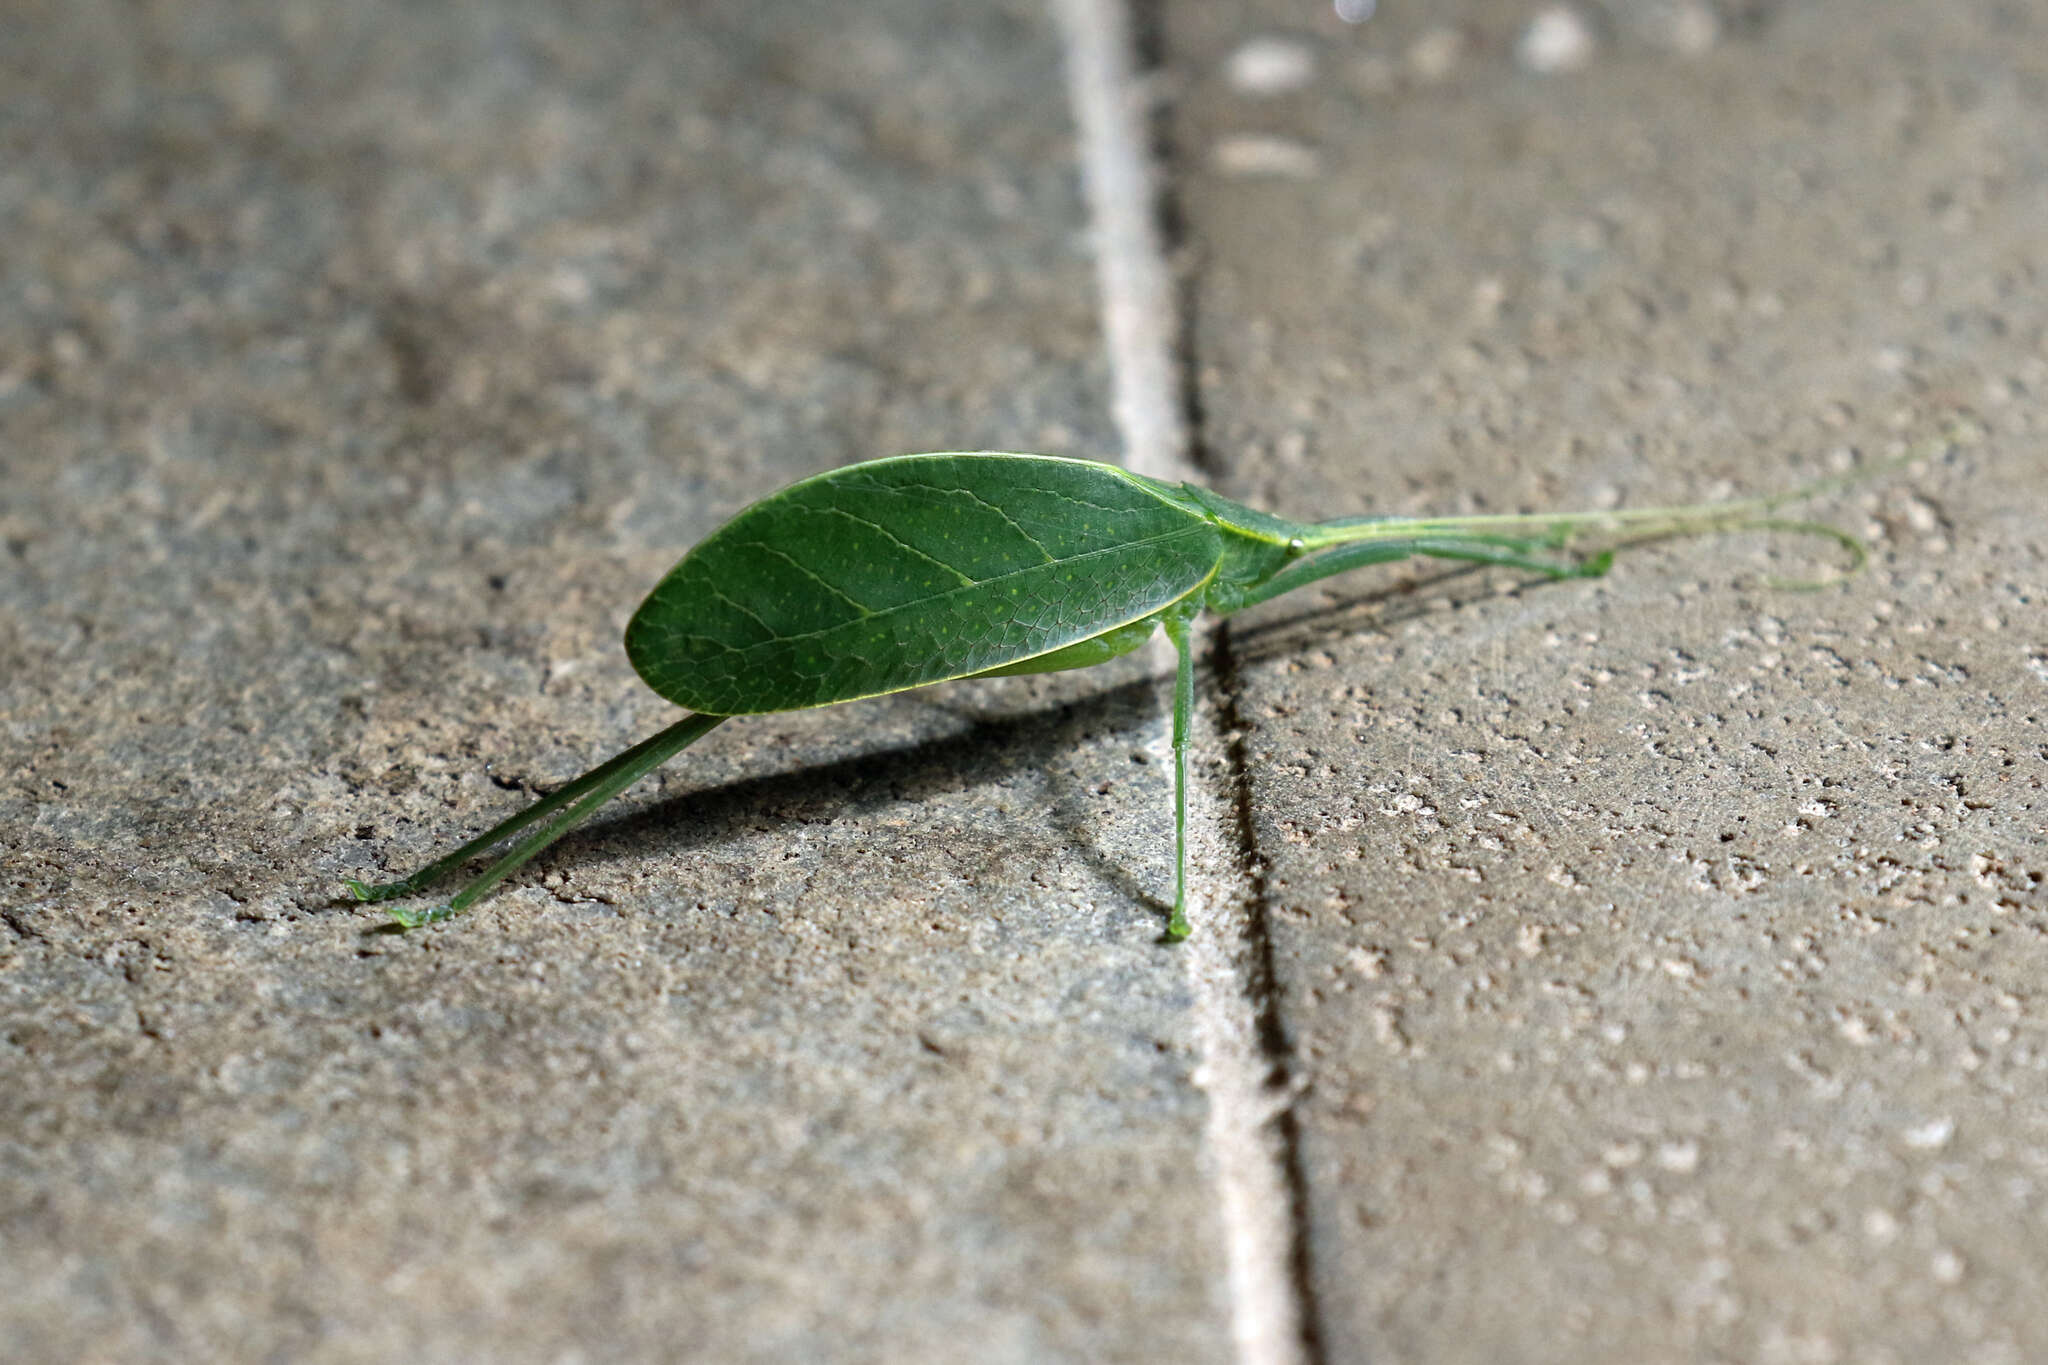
[1595, 566]
[419, 919]
[1176, 928]
[372, 892]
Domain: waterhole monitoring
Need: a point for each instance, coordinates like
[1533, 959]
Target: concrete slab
[1659, 954]
[360, 367]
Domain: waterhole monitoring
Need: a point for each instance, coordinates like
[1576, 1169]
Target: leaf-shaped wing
[900, 572]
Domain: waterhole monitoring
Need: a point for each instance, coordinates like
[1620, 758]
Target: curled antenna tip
[1859, 553]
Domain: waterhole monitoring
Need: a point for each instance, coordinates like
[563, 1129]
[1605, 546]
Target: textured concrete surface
[363, 366]
[1655, 958]
[1660, 955]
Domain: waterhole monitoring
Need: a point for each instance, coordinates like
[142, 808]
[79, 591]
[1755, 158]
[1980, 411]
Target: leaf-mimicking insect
[895, 573]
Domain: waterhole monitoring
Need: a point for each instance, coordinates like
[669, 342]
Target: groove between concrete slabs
[1242, 1069]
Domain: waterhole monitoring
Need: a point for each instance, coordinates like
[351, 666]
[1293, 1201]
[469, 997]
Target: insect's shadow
[1278, 635]
[985, 751]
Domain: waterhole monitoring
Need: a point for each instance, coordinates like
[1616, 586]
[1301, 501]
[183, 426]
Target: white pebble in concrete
[1271, 66]
[1558, 39]
[1251, 154]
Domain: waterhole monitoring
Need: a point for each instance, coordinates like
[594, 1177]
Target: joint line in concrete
[1241, 1061]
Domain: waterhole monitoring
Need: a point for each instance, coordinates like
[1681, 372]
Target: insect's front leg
[1177, 621]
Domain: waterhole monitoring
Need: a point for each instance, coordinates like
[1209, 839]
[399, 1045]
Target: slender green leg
[581, 797]
[1513, 553]
[1177, 623]
[1514, 556]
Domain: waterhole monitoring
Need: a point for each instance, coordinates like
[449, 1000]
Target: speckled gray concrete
[1661, 955]
[1658, 954]
[360, 367]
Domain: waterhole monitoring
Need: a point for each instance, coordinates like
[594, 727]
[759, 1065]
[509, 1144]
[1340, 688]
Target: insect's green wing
[895, 573]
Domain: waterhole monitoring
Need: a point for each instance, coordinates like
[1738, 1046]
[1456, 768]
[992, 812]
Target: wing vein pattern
[903, 545]
[903, 572]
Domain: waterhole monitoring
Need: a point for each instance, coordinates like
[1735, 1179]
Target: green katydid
[895, 573]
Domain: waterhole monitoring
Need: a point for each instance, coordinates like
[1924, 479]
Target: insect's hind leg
[497, 834]
[580, 797]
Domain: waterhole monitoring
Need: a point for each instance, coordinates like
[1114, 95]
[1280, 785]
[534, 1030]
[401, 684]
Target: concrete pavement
[1638, 969]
